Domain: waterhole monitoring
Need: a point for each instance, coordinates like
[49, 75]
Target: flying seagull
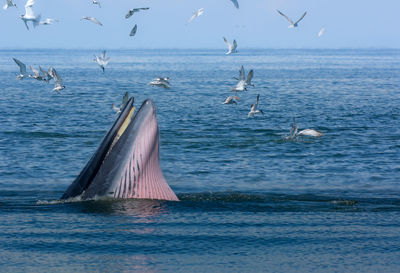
[48, 21]
[125, 99]
[231, 100]
[9, 4]
[321, 32]
[96, 2]
[29, 15]
[36, 74]
[243, 81]
[236, 3]
[231, 48]
[161, 82]
[101, 60]
[57, 80]
[133, 31]
[94, 20]
[292, 25]
[196, 13]
[132, 11]
[22, 69]
[254, 109]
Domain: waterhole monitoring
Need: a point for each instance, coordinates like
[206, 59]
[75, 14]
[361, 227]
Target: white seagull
[231, 100]
[22, 69]
[36, 74]
[133, 31]
[57, 80]
[253, 109]
[161, 82]
[29, 16]
[305, 132]
[101, 60]
[292, 24]
[96, 2]
[9, 4]
[321, 32]
[46, 74]
[125, 99]
[243, 81]
[235, 2]
[132, 11]
[94, 20]
[196, 13]
[231, 48]
[48, 21]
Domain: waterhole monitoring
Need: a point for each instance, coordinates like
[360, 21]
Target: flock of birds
[243, 81]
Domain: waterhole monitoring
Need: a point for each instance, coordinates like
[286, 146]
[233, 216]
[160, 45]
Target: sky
[256, 24]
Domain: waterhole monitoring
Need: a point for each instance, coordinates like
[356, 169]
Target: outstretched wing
[258, 99]
[287, 18]
[28, 8]
[103, 55]
[301, 18]
[235, 2]
[129, 14]
[133, 31]
[241, 74]
[22, 66]
[227, 42]
[35, 71]
[249, 77]
[57, 78]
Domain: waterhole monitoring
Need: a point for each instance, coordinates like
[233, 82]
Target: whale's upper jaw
[129, 167]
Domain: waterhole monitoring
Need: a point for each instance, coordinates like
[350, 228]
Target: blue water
[251, 201]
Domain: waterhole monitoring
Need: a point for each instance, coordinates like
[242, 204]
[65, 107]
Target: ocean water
[251, 201]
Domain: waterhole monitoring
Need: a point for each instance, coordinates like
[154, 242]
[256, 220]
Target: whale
[126, 163]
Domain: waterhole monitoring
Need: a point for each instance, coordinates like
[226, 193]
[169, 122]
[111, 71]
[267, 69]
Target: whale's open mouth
[126, 165]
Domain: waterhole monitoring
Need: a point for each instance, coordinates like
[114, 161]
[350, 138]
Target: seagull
[231, 100]
[57, 80]
[22, 69]
[101, 60]
[254, 109]
[133, 31]
[306, 132]
[321, 32]
[29, 16]
[235, 2]
[8, 4]
[96, 2]
[231, 49]
[162, 82]
[94, 20]
[125, 99]
[292, 25]
[242, 81]
[48, 21]
[46, 74]
[132, 11]
[196, 13]
[36, 74]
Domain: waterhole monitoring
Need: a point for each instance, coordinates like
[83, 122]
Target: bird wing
[227, 42]
[94, 20]
[301, 18]
[103, 55]
[28, 8]
[249, 76]
[287, 18]
[321, 32]
[236, 3]
[43, 72]
[22, 66]
[133, 31]
[234, 45]
[258, 99]
[35, 71]
[129, 14]
[241, 74]
[144, 8]
[57, 78]
[193, 16]
[105, 62]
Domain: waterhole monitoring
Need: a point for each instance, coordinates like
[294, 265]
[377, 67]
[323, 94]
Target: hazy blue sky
[348, 23]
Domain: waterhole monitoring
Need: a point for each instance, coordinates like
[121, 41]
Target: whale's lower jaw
[131, 167]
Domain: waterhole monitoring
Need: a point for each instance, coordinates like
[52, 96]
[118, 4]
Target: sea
[251, 200]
